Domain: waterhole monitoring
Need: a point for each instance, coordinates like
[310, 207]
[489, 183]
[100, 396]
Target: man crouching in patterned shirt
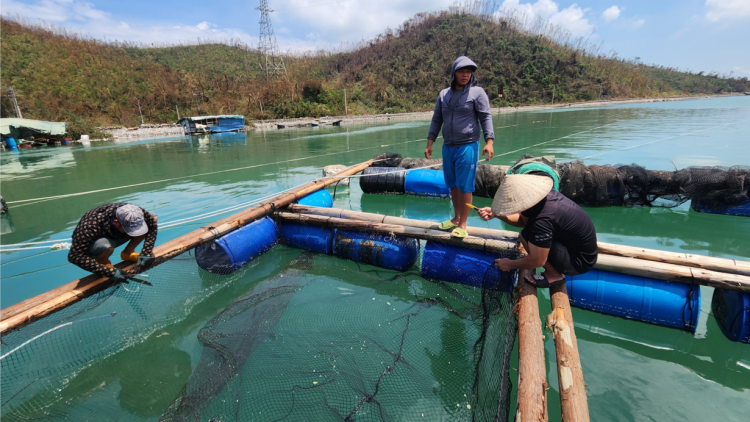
[103, 229]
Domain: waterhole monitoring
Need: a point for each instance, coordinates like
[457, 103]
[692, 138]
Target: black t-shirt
[558, 218]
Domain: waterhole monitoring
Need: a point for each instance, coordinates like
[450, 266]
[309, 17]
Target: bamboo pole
[731, 266]
[30, 310]
[573, 401]
[481, 244]
[532, 374]
[679, 269]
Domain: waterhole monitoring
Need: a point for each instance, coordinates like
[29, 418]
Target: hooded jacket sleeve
[482, 108]
[437, 119]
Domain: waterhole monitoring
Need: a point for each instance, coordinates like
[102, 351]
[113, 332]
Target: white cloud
[611, 14]
[350, 21]
[721, 10]
[741, 71]
[83, 17]
[573, 18]
[638, 23]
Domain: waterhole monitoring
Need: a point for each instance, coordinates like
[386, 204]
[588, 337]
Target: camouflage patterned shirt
[95, 225]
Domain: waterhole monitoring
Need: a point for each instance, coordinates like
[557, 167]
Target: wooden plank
[573, 401]
[32, 309]
[532, 372]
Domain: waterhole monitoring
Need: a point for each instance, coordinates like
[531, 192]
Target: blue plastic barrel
[465, 266]
[732, 312]
[426, 183]
[11, 144]
[741, 210]
[659, 302]
[311, 238]
[320, 198]
[230, 252]
[394, 253]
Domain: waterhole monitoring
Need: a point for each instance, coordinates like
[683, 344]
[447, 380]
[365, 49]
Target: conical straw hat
[519, 192]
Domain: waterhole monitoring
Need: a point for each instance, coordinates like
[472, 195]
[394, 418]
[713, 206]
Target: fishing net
[294, 335]
[716, 188]
[633, 185]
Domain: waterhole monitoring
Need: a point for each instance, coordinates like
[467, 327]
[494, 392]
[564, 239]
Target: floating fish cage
[295, 310]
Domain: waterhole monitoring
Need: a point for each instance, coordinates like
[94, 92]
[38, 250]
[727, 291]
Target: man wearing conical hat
[557, 234]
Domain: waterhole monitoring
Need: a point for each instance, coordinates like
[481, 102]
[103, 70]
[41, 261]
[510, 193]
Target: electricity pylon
[271, 63]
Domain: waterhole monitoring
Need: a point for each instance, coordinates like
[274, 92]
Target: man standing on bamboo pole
[106, 227]
[459, 111]
[557, 234]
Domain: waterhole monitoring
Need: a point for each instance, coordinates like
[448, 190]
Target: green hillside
[62, 76]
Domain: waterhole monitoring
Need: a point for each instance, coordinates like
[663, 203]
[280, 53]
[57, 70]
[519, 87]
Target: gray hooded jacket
[460, 123]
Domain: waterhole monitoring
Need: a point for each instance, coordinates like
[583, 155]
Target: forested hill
[62, 76]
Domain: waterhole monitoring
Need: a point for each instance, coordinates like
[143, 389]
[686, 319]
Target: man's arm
[515, 220]
[536, 258]
[435, 126]
[482, 107]
[148, 243]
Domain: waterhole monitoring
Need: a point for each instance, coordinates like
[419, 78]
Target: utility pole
[178, 112]
[139, 110]
[15, 103]
[271, 63]
[346, 109]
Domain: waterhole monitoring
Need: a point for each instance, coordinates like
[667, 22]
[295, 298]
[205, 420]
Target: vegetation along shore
[64, 76]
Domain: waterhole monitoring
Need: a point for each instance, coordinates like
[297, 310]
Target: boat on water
[213, 124]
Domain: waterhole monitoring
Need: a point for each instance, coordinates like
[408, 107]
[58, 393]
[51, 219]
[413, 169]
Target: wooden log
[731, 266]
[32, 309]
[573, 401]
[485, 245]
[680, 268]
[532, 373]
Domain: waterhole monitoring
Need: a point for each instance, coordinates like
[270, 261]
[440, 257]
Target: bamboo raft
[532, 381]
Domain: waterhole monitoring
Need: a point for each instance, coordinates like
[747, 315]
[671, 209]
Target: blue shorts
[460, 166]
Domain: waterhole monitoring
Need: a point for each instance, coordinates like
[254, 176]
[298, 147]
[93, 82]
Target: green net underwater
[292, 335]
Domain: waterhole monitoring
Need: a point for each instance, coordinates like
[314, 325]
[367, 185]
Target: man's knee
[106, 253]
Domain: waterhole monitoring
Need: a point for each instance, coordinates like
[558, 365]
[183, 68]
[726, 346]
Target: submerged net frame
[65, 365]
[716, 187]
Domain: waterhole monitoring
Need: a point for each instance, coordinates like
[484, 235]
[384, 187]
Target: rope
[205, 174]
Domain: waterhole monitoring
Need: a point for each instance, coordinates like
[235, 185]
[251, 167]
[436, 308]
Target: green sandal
[447, 225]
[458, 232]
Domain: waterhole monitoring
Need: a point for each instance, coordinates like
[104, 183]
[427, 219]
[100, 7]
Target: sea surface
[633, 371]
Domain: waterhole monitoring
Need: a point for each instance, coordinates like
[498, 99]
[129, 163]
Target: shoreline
[162, 130]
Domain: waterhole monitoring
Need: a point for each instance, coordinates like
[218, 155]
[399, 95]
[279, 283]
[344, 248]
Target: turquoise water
[633, 371]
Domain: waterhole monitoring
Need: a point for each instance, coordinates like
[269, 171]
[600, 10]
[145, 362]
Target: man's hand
[428, 151]
[485, 213]
[488, 150]
[120, 276]
[145, 261]
[504, 264]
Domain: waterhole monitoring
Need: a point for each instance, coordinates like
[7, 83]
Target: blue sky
[708, 35]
